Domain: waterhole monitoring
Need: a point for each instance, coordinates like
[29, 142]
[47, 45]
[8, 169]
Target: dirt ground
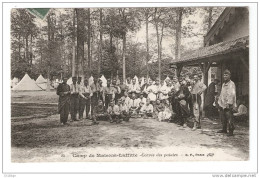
[37, 136]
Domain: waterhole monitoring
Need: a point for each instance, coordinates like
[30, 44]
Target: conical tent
[27, 84]
[44, 86]
[40, 79]
[42, 83]
[69, 81]
[136, 78]
[91, 80]
[104, 81]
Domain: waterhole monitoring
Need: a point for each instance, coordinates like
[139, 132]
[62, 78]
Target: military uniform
[74, 100]
[64, 102]
[84, 98]
[109, 93]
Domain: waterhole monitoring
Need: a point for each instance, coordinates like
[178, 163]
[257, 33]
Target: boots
[195, 126]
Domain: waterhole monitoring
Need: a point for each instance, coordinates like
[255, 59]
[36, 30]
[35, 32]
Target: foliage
[46, 47]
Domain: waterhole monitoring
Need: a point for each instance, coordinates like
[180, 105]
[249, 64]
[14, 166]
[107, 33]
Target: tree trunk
[31, 56]
[19, 47]
[158, 50]
[100, 43]
[74, 46]
[178, 34]
[26, 54]
[49, 56]
[124, 48]
[147, 45]
[80, 41]
[89, 44]
[210, 18]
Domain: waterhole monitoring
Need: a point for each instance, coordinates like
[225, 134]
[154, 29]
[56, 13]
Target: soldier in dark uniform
[99, 112]
[74, 99]
[96, 89]
[63, 91]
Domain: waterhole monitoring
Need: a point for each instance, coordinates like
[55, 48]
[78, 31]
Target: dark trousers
[101, 117]
[197, 112]
[108, 98]
[64, 113]
[114, 117]
[125, 116]
[84, 104]
[94, 101]
[117, 96]
[227, 120]
[190, 104]
[74, 106]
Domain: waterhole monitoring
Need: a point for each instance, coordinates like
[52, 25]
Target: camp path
[43, 139]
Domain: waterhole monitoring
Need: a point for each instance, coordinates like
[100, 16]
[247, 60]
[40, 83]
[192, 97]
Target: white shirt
[152, 92]
[164, 92]
[127, 102]
[242, 110]
[147, 108]
[135, 102]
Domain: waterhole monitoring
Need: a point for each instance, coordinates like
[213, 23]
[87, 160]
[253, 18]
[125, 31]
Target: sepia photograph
[132, 84]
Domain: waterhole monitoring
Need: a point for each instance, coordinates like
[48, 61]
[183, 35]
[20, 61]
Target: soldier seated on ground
[241, 114]
[158, 107]
[166, 114]
[146, 110]
[124, 111]
[99, 112]
[113, 112]
[134, 106]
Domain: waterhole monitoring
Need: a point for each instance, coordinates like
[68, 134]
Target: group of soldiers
[173, 100]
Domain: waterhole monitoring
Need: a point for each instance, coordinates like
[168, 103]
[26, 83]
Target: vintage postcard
[130, 84]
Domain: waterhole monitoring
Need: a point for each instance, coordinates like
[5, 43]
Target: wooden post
[204, 68]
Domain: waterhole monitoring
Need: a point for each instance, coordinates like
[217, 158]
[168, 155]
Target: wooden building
[226, 46]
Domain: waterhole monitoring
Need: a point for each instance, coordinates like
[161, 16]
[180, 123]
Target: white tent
[91, 80]
[44, 86]
[104, 81]
[42, 83]
[27, 84]
[136, 78]
[40, 79]
[69, 81]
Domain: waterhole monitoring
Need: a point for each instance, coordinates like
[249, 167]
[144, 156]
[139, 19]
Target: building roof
[214, 50]
[220, 22]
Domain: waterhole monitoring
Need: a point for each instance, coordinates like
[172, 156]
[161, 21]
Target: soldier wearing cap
[142, 100]
[196, 91]
[134, 87]
[84, 99]
[109, 93]
[63, 91]
[97, 91]
[134, 105]
[74, 99]
[227, 103]
[124, 111]
[113, 112]
[117, 89]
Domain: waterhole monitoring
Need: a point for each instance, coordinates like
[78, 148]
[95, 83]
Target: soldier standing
[227, 103]
[74, 99]
[63, 91]
[84, 98]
